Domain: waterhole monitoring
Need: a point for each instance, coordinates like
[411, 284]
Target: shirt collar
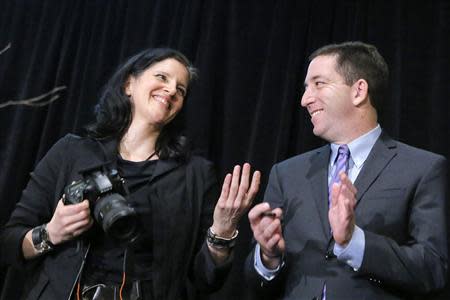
[359, 147]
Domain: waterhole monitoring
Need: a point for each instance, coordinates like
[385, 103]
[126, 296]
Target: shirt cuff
[353, 254]
[267, 274]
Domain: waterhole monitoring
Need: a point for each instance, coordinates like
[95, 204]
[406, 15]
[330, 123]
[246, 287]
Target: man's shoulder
[415, 153]
[304, 159]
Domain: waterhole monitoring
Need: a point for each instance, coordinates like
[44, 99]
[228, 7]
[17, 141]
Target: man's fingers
[348, 196]
[255, 214]
[335, 191]
[345, 180]
[271, 229]
[278, 212]
[272, 242]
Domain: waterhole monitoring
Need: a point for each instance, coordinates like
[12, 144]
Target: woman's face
[157, 94]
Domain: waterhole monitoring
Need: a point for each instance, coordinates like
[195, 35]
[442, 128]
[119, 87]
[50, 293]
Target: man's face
[328, 100]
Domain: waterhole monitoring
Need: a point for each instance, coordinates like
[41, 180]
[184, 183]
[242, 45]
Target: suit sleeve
[420, 264]
[262, 287]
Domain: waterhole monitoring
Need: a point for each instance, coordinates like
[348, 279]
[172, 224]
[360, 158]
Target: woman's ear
[128, 87]
[360, 92]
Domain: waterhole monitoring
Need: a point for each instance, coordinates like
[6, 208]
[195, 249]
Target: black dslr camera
[105, 190]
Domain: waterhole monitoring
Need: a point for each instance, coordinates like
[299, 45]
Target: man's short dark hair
[357, 60]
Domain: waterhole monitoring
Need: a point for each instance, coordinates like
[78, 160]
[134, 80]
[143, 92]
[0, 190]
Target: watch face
[39, 236]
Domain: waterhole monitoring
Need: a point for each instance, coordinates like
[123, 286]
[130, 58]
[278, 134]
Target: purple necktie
[341, 165]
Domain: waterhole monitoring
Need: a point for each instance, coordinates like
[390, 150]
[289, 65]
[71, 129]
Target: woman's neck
[138, 143]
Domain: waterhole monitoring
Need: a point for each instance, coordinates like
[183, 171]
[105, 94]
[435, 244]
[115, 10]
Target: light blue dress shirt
[353, 253]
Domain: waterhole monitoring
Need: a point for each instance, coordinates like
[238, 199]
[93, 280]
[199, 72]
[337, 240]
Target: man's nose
[306, 98]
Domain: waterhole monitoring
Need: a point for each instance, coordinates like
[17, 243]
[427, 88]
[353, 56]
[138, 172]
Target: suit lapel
[318, 177]
[381, 154]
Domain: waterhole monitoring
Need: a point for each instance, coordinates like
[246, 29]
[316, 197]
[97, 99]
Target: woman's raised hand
[235, 199]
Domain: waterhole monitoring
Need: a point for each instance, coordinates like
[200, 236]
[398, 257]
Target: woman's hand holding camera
[69, 221]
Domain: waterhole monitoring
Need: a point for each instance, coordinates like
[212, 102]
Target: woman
[184, 239]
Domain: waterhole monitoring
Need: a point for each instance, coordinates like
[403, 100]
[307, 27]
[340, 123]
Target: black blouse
[105, 263]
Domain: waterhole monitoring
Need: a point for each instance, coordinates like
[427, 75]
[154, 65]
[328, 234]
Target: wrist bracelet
[220, 242]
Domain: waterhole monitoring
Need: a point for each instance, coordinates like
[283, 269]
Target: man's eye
[319, 83]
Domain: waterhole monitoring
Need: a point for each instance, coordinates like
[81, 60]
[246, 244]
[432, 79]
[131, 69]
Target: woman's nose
[170, 88]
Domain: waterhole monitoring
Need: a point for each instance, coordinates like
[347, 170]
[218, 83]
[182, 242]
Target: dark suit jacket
[182, 198]
[401, 207]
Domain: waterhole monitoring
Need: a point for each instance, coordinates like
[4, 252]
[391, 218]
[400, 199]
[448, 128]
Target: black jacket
[182, 197]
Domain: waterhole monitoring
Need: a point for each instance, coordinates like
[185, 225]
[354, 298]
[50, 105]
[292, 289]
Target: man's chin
[317, 131]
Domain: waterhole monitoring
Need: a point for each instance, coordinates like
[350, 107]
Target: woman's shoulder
[76, 145]
[199, 170]
[72, 138]
[200, 165]
[199, 161]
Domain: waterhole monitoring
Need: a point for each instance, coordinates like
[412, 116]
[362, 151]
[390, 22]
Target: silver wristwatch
[41, 239]
[220, 242]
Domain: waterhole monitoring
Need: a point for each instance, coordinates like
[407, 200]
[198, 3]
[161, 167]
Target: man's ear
[360, 92]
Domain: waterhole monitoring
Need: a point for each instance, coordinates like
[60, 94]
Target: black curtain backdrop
[252, 58]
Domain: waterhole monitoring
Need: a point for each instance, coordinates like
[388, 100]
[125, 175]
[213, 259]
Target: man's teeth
[316, 112]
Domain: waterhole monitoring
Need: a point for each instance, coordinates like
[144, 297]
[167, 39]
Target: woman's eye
[161, 76]
[181, 91]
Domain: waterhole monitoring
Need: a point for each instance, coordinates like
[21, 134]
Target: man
[360, 218]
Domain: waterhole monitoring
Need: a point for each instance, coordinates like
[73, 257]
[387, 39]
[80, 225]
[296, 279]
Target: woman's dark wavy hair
[114, 109]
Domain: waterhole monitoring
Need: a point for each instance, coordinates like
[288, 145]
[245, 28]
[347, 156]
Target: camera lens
[117, 219]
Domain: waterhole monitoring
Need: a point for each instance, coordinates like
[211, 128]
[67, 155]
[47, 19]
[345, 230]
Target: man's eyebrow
[312, 79]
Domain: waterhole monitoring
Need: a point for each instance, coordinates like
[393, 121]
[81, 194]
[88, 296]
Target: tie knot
[343, 150]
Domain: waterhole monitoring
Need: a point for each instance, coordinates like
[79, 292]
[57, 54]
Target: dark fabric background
[252, 57]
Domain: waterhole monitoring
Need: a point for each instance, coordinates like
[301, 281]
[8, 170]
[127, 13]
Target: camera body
[105, 190]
